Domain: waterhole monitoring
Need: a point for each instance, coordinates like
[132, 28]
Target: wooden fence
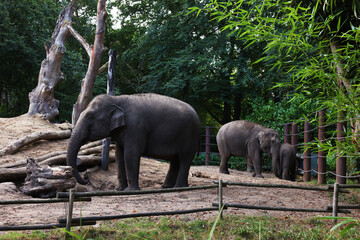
[72, 196]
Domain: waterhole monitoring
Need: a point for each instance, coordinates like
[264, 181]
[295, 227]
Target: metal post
[287, 136]
[110, 91]
[335, 201]
[70, 212]
[321, 154]
[307, 154]
[207, 146]
[340, 161]
[220, 198]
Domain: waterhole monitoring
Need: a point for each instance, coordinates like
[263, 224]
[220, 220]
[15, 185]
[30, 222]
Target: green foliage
[315, 43]
[25, 26]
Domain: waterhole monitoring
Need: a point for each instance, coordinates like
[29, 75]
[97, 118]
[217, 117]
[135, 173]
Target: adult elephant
[247, 139]
[287, 169]
[149, 125]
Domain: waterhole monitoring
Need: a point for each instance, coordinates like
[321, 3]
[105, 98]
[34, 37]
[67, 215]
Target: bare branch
[78, 37]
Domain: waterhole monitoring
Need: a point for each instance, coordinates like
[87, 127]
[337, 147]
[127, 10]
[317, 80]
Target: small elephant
[148, 125]
[287, 162]
[247, 139]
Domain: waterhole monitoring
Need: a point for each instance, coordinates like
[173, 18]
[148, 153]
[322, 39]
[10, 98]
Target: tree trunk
[87, 84]
[42, 99]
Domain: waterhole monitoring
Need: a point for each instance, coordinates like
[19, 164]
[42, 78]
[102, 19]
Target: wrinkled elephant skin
[247, 139]
[148, 125]
[287, 162]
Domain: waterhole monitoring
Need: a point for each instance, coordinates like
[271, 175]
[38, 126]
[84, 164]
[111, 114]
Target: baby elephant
[287, 162]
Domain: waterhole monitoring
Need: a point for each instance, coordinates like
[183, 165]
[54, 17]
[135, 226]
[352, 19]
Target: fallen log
[19, 174]
[16, 145]
[45, 181]
[91, 148]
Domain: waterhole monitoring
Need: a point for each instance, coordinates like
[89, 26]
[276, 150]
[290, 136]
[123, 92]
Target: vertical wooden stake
[70, 212]
[287, 135]
[110, 91]
[321, 154]
[335, 201]
[220, 198]
[307, 154]
[207, 147]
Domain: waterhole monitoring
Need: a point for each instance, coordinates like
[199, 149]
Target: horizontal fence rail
[136, 192]
[134, 215]
[217, 206]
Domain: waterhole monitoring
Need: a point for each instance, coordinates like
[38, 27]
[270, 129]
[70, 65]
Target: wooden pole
[220, 198]
[321, 154]
[307, 154]
[70, 212]
[340, 160]
[110, 91]
[335, 201]
[287, 135]
[207, 146]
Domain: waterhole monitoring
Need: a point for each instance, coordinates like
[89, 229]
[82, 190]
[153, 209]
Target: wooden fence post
[294, 142]
[340, 160]
[335, 201]
[321, 154]
[307, 154]
[287, 135]
[110, 91]
[294, 135]
[220, 198]
[69, 214]
[207, 146]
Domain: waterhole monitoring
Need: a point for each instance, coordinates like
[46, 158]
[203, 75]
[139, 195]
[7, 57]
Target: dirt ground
[152, 175]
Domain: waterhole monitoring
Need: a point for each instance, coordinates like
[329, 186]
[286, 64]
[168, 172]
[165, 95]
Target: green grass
[231, 227]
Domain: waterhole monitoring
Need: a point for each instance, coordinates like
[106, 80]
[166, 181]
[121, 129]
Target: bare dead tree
[95, 53]
[42, 99]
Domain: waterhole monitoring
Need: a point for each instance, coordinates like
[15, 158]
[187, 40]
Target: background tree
[316, 42]
[189, 58]
[24, 28]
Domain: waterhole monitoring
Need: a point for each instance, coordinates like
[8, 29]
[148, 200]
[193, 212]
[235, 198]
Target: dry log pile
[45, 182]
[89, 156]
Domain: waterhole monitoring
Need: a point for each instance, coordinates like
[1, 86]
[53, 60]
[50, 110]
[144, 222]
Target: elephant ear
[117, 118]
[260, 136]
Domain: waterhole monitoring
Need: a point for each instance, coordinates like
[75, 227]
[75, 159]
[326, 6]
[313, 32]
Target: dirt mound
[152, 175]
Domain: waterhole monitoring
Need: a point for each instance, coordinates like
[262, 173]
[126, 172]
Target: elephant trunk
[72, 152]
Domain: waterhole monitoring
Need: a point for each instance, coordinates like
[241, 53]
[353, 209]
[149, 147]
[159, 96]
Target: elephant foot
[226, 171]
[167, 186]
[258, 175]
[132, 189]
[121, 187]
[181, 185]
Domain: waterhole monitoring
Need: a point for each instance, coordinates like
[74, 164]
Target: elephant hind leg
[224, 163]
[172, 174]
[185, 160]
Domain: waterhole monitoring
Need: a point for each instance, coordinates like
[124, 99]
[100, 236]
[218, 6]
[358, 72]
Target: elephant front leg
[119, 155]
[257, 164]
[132, 164]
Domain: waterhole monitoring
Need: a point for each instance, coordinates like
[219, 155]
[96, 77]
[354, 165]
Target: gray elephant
[247, 139]
[148, 125]
[287, 169]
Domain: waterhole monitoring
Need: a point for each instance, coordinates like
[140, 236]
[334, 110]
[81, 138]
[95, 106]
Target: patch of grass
[231, 227]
